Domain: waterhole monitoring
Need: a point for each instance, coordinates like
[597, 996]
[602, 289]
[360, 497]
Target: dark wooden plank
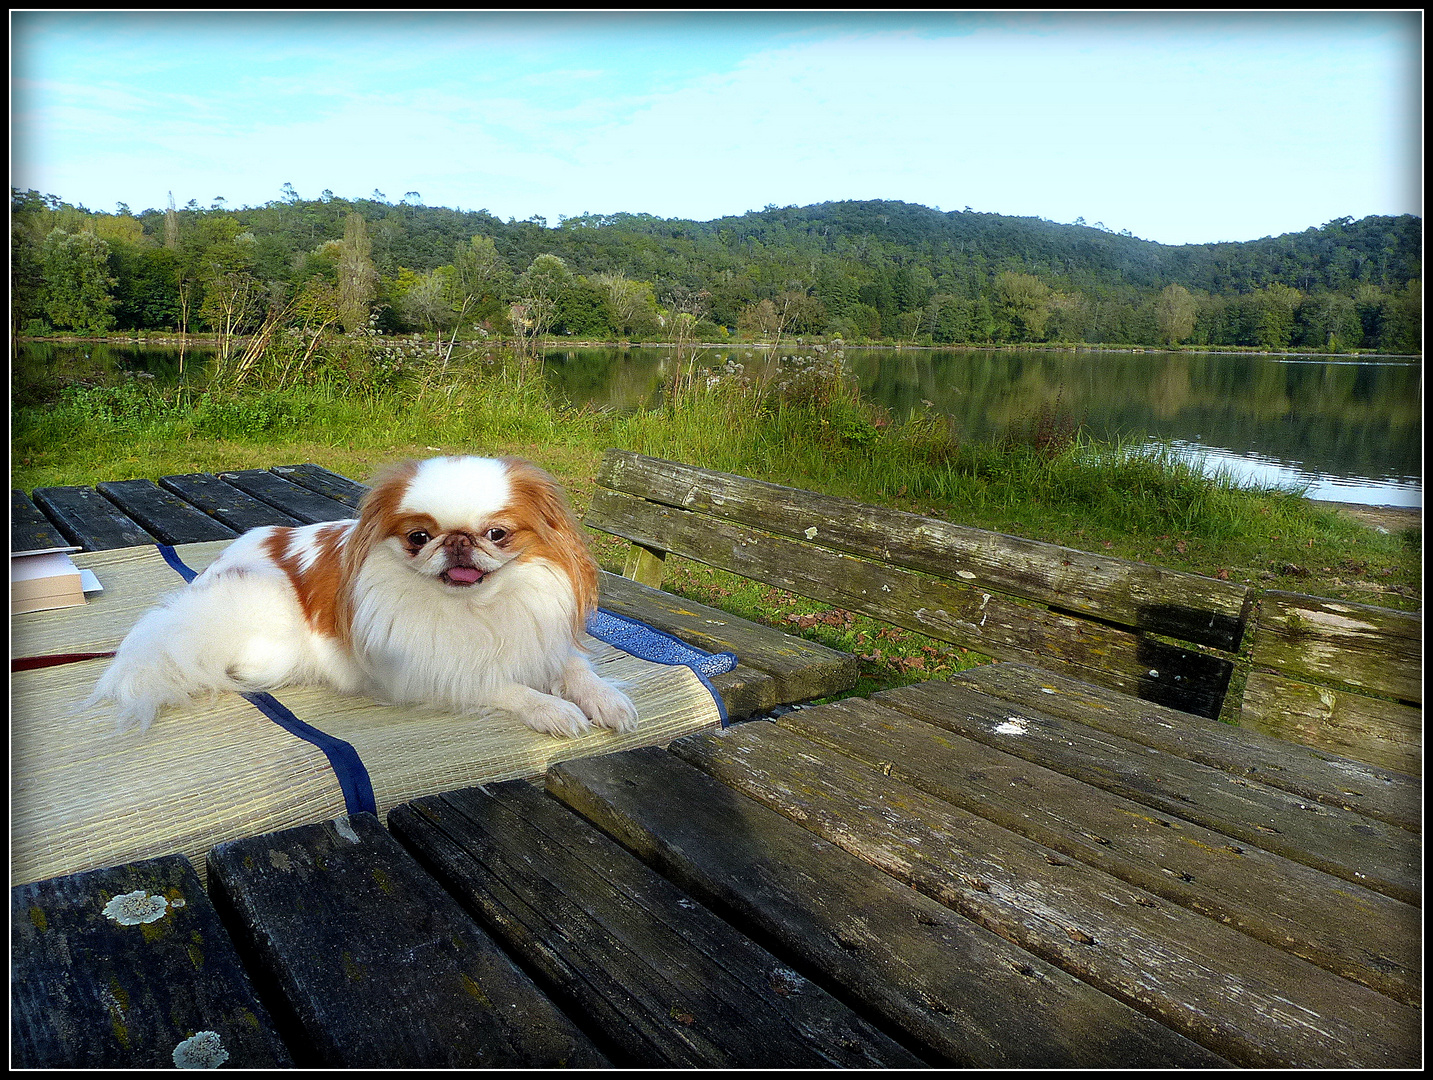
[323, 481]
[800, 670]
[745, 692]
[237, 509]
[1383, 733]
[994, 625]
[87, 518]
[164, 514]
[1338, 781]
[964, 993]
[1340, 842]
[93, 987]
[308, 506]
[1206, 981]
[31, 530]
[1183, 605]
[1375, 649]
[1353, 932]
[651, 973]
[379, 967]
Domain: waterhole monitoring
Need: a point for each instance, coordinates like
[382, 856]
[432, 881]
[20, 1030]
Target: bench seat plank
[659, 976]
[88, 519]
[93, 990]
[1380, 793]
[1353, 932]
[323, 481]
[994, 625]
[1183, 605]
[379, 967]
[1340, 842]
[237, 509]
[30, 529]
[299, 502]
[163, 513]
[1202, 979]
[801, 670]
[967, 995]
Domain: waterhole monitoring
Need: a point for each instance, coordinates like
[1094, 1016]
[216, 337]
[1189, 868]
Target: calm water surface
[1351, 430]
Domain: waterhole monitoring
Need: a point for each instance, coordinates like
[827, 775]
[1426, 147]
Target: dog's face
[458, 521]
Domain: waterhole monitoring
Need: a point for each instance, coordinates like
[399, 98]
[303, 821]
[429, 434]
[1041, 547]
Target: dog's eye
[497, 536]
[418, 538]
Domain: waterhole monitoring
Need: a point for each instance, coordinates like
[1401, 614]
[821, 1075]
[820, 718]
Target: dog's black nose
[459, 547]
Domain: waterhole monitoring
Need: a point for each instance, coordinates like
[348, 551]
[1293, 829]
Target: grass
[362, 406]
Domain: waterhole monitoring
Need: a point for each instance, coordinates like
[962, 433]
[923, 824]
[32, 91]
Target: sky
[1180, 128]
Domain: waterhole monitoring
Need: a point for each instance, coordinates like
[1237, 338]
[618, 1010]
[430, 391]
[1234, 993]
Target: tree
[539, 289]
[357, 276]
[632, 304]
[1174, 312]
[479, 273]
[426, 298]
[1023, 305]
[75, 267]
[232, 300]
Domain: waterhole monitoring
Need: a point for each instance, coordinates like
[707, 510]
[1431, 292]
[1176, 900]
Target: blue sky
[1180, 128]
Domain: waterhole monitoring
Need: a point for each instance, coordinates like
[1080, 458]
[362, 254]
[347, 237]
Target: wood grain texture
[87, 518]
[1383, 733]
[299, 502]
[224, 502]
[1183, 605]
[90, 991]
[1353, 932]
[30, 529]
[991, 624]
[964, 993]
[325, 482]
[1394, 797]
[162, 513]
[647, 970]
[1374, 649]
[1212, 984]
[1339, 842]
[377, 966]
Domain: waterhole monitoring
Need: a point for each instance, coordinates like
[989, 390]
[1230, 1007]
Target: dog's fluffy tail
[230, 633]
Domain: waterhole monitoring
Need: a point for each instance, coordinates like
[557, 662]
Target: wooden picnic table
[1012, 868]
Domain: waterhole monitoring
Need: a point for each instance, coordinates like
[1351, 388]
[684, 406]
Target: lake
[1350, 429]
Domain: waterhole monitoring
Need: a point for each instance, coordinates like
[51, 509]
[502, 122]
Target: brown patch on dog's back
[320, 585]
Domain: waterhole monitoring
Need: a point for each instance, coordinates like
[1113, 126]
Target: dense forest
[866, 271]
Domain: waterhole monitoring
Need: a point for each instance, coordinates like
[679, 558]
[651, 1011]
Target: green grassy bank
[364, 406]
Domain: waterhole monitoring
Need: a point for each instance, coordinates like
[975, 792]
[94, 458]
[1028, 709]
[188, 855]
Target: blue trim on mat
[348, 767]
[648, 643]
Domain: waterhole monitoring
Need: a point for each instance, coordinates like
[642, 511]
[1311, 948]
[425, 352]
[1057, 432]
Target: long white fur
[505, 644]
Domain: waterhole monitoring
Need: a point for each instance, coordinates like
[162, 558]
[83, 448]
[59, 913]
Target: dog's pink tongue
[468, 574]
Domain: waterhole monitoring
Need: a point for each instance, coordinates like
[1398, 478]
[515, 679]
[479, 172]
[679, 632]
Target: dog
[464, 583]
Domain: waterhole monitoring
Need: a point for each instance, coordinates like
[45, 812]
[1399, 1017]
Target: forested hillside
[870, 270]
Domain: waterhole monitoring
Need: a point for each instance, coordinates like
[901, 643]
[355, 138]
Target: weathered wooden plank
[31, 530]
[164, 514]
[237, 509]
[129, 968]
[1212, 984]
[659, 978]
[88, 519]
[308, 506]
[1382, 733]
[801, 670]
[959, 990]
[994, 625]
[1311, 637]
[1338, 781]
[1340, 842]
[745, 692]
[1183, 605]
[325, 482]
[1357, 933]
[378, 966]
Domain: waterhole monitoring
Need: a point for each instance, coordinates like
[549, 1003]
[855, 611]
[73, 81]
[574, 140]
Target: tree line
[862, 270]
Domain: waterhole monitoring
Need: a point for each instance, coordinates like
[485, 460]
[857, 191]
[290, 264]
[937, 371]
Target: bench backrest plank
[1324, 671]
[1188, 606]
[860, 564]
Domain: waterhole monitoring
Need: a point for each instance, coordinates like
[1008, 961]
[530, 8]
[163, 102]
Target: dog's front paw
[553, 716]
[607, 706]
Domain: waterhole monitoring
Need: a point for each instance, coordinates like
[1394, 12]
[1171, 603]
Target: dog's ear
[562, 539]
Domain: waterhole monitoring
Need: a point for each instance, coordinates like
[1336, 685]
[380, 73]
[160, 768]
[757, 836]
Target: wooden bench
[1161, 635]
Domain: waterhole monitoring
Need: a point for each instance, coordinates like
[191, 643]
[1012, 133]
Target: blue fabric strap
[649, 643]
[347, 766]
